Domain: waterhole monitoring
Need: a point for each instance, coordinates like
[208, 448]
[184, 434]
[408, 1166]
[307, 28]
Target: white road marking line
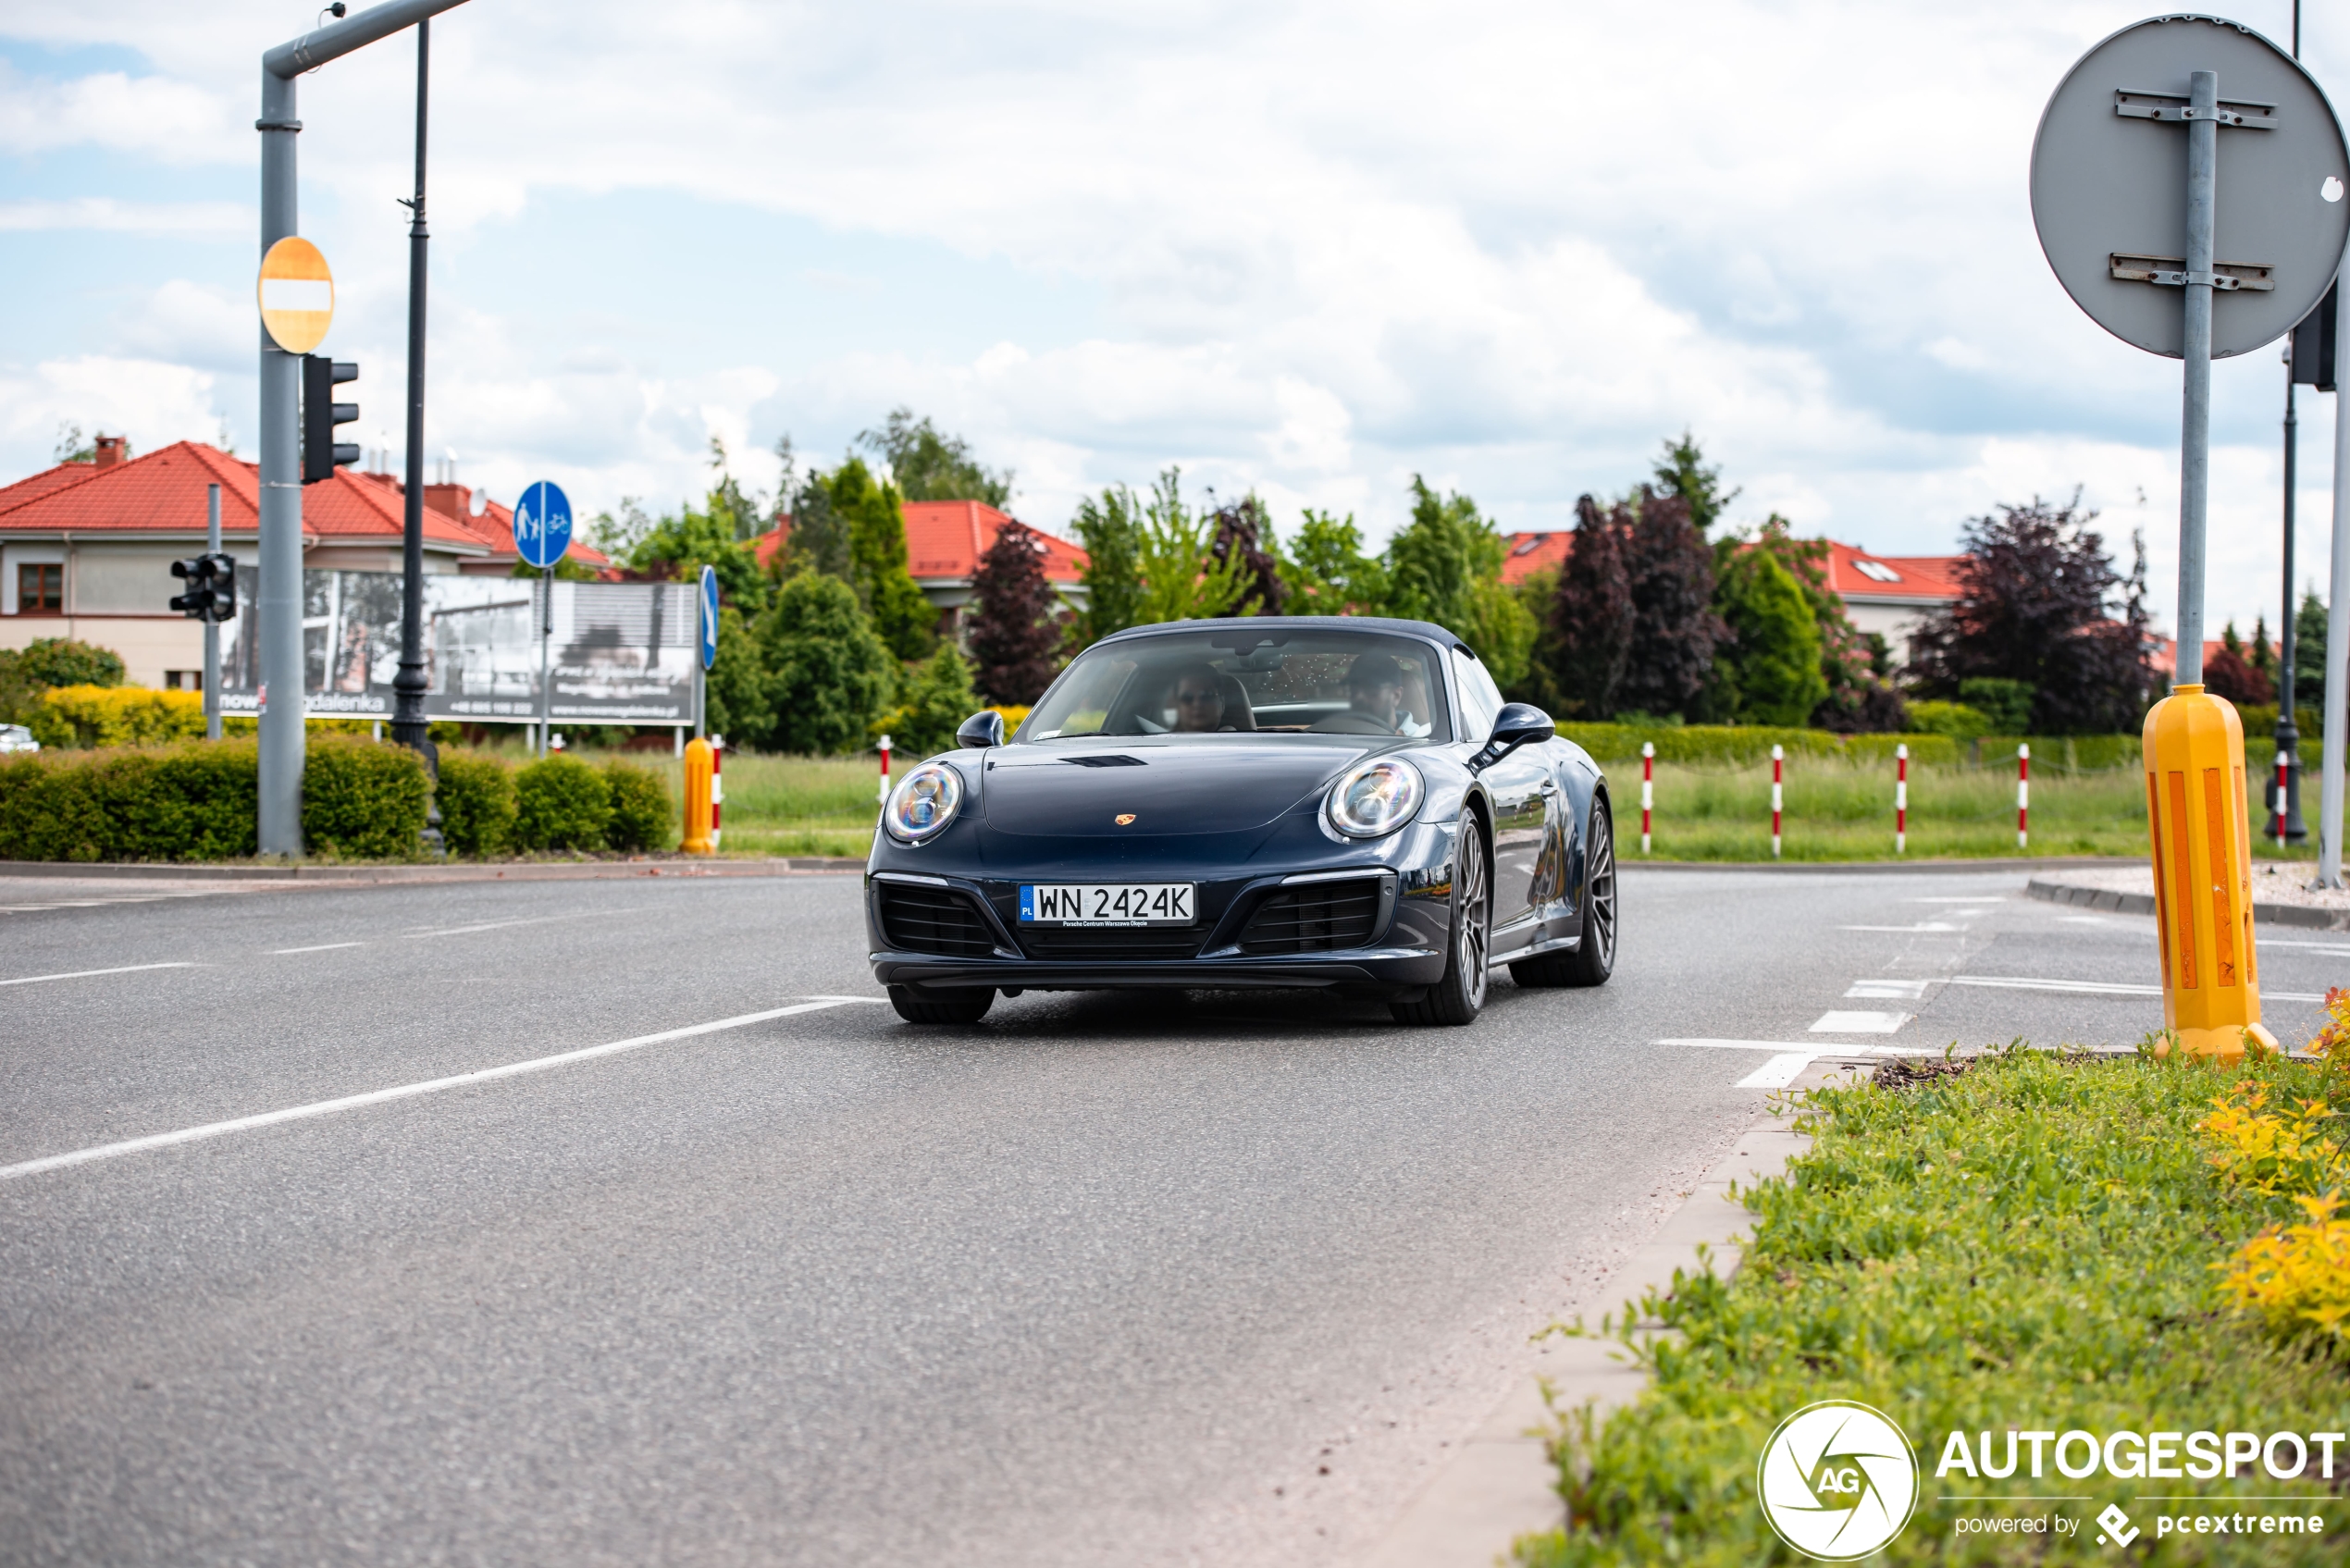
[322, 948]
[1994, 899]
[2098, 988]
[1930, 925]
[2082, 919]
[1811, 1046]
[2312, 946]
[1778, 1072]
[827, 996]
[530, 921]
[1889, 990]
[382, 1097]
[85, 974]
[1855, 1022]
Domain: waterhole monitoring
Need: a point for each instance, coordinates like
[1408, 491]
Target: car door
[1526, 814]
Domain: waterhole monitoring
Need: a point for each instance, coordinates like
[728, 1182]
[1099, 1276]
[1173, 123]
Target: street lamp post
[408, 725]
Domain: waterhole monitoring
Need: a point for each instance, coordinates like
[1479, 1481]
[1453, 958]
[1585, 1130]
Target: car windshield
[1247, 680]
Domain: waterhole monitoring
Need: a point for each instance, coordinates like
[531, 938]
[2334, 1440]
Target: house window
[41, 586]
[183, 679]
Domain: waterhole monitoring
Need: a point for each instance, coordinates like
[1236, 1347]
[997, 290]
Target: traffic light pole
[211, 626]
[277, 601]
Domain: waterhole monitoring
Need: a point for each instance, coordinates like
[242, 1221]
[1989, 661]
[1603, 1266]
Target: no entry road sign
[297, 295]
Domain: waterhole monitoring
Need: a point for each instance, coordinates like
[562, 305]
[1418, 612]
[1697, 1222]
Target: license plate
[1106, 903]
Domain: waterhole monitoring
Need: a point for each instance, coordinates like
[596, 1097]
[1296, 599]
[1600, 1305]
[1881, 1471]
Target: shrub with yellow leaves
[2296, 1276]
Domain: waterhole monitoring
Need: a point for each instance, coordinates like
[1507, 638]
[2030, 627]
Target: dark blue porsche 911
[1339, 803]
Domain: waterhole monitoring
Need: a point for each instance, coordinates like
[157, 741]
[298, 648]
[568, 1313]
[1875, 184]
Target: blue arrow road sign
[709, 616]
[543, 524]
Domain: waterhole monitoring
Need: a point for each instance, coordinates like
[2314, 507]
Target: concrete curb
[2297, 915]
[1873, 868]
[1500, 1484]
[517, 870]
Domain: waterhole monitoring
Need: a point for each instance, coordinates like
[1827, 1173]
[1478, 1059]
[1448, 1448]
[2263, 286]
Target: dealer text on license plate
[1130, 903]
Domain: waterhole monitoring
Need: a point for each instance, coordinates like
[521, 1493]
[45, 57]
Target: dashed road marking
[2099, 987]
[1889, 990]
[322, 948]
[85, 974]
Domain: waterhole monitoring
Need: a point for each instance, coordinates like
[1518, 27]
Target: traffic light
[321, 453]
[212, 587]
[2313, 346]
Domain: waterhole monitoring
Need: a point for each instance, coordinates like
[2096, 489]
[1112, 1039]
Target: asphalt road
[1213, 1279]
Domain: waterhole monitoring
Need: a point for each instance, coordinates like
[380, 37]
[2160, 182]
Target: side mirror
[982, 730]
[1519, 724]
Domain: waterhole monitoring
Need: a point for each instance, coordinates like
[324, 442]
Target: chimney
[449, 501]
[110, 449]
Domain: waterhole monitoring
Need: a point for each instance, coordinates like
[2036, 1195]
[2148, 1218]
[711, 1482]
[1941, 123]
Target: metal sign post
[542, 533]
[2122, 227]
[2331, 746]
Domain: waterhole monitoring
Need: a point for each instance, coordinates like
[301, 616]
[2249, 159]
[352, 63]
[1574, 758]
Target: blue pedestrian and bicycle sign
[709, 616]
[543, 524]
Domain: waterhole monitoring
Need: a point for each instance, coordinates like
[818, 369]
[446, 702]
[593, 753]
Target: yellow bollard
[701, 817]
[2202, 874]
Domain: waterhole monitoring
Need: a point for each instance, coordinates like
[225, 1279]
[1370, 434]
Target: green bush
[192, 802]
[364, 799]
[561, 803]
[1953, 719]
[91, 717]
[642, 815]
[2007, 704]
[2063, 754]
[933, 700]
[477, 798]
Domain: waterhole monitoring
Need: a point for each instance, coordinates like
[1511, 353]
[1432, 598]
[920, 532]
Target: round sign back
[2109, 185]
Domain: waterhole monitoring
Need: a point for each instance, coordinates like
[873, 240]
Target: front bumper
[1403, 953]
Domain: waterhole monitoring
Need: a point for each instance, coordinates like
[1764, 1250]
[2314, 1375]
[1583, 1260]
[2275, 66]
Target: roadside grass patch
[2036, 1242]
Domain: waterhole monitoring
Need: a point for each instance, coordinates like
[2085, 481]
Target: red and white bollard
[2283, 765]
[1648, 789]
[717, 790]
[1778, 765]
[2023, 796]
[1901, 798]
[884, 772]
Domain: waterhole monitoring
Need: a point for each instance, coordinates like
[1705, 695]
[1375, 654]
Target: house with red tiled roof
[86, 548]
[1890, 595]
[943, 542]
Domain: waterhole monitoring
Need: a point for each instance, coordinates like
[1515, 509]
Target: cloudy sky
[1307, 248]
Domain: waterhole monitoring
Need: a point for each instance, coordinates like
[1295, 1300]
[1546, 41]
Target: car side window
[1481, 699]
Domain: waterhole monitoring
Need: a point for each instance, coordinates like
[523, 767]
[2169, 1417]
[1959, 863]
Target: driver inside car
[1198, 702]
[1374, 699]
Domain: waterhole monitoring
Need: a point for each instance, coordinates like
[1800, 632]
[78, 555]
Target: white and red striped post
[1901, 798]
[1778, 774]
[1648, 789]
[2023, 796]
[2284, 763]
[717, 790]
[884, 773]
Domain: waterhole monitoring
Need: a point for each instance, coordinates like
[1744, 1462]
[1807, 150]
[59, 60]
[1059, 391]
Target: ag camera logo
[1838, 1480]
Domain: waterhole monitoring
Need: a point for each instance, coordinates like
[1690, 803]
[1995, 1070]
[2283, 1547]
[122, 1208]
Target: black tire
[1457, 997]
[1594, 957]
[941, 1006]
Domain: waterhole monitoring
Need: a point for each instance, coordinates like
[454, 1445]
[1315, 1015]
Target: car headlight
[1375, 798]
[920, 807]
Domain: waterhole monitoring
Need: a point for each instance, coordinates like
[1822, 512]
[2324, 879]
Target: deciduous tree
[1012, 632]
[1110, 528]
[875, 516]
[1592, 618]
[2038, 603]
[1669, 572]
[927, 464]
[827, 673]
[1242, 532]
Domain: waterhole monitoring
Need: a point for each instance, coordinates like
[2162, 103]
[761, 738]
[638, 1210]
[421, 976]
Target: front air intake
[933, 919]
[1319, 916]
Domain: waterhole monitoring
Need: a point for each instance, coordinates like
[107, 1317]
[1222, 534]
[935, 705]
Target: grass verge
[2027, 1244]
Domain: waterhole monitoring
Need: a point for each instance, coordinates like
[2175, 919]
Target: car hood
[1168, 786]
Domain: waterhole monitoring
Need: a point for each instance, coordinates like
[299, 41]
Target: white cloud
[210, 220]
[152, 402]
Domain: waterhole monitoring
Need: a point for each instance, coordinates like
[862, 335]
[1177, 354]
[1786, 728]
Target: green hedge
[561, 803]
[193, 802]
[642, 815]
[1734, 745]
[477, 798]
[364, 799]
